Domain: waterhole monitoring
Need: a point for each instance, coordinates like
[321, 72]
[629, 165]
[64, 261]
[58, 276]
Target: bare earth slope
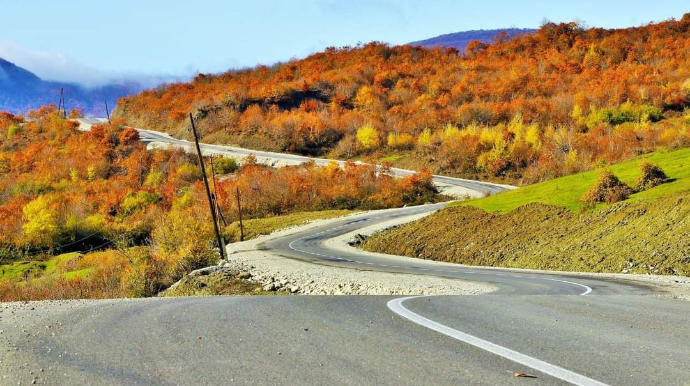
[638, 237]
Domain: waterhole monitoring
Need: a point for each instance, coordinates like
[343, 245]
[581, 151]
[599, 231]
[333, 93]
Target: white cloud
[51, 65]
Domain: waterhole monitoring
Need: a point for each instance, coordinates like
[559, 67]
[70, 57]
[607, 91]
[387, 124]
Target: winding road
[536, 329]
[582, 330]
[454, 186]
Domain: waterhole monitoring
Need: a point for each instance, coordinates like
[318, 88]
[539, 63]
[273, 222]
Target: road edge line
[396, 305]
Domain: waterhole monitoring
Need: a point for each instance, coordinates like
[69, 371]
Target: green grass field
[391, 158]
[567, 191]
[35, 268]
[263, 226]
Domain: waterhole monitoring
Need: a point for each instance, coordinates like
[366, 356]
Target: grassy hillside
[35, 269]
[567, 191]
[539, 227]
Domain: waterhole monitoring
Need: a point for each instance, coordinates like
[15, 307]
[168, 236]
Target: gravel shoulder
[276, 272]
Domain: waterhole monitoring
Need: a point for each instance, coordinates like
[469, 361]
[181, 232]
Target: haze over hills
[460, 40]
[21, 90]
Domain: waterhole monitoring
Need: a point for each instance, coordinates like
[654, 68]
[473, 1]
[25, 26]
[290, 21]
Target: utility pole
[219, 238]
[61, 104]
[239, 209]
[219, 211]
[107, 112]
[141, 169]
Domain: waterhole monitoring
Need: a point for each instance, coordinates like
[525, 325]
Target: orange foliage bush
[608, 189]
[593, 95]
[64, 190]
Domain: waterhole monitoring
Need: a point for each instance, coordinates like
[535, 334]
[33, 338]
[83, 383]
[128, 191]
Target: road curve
[582, 330]
[560, 329]
[451, 185]
[311, 246]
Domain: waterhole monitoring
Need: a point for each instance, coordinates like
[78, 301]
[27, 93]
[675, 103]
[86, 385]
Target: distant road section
[457, 187]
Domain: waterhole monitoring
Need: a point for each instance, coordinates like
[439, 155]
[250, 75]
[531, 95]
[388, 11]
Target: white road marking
[587, 288]
[396, 306]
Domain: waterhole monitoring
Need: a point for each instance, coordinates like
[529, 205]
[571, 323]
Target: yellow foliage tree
[367, 100]
[180, 239]
[424, 138]
[41, 224]
[533, 136]
[367, 137]
[400, 141]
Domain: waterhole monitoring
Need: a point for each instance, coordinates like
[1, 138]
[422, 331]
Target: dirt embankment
[630, 237]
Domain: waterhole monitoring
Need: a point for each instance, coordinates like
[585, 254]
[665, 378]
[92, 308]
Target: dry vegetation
[526, 109]
[144, 214]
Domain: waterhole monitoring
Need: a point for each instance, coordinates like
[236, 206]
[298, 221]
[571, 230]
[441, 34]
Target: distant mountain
[22, 90]
[460, 40]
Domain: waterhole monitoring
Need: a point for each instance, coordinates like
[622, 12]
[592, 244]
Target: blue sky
[89, 41]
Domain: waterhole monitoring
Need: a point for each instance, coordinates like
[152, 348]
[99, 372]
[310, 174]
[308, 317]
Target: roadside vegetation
[264, 226]
[568, 191]
[94, 214]
[522, 110]
[551, 225]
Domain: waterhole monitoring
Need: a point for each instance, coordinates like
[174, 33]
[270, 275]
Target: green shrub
[139, 201]
[626, 112]
[225, 165]
[188, 172]
[12, 130]
[154, 179]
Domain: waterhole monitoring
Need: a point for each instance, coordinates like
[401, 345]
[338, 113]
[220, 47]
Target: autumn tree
[75, 113]
[367, 137]
[41, 226]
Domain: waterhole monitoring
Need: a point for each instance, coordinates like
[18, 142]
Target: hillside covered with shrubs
[139, 219]
[523, 109]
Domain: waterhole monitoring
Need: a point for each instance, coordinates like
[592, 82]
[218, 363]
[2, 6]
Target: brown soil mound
[639, 237]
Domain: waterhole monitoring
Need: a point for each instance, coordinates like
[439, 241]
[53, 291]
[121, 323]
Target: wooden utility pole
[61, 104]
[219, 238]
[107, 112]
[239, 209]
[141, 169]
[219, 211]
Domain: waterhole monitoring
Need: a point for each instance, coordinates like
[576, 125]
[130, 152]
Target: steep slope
[567, 191]
[22, 90]
[460, 40]
[648, 233]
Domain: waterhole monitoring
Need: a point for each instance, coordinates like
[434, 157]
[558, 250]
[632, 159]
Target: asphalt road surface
[560, 329]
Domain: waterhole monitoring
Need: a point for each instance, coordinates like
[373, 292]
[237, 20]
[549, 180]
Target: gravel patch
[277, 273]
